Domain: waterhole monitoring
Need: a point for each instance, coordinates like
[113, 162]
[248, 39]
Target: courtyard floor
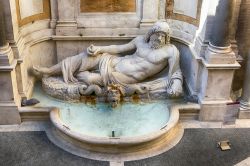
[27, 144]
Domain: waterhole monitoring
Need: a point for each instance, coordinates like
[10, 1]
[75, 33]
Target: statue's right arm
[112, 49]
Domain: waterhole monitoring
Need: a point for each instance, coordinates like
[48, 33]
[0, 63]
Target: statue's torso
[145, 62]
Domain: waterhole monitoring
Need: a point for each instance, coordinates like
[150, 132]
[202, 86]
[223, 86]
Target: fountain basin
[122, 144]
[164, 135]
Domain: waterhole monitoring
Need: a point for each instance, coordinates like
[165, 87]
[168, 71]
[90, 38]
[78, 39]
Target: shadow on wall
[189, 66]
[40, 54]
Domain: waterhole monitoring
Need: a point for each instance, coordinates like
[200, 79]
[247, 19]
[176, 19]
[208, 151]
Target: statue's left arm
[112, 49]
[175, 79]
[173, 58]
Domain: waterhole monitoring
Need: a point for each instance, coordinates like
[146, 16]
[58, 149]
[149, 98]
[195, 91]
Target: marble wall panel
[183, 10]
[70, 48]
[32, 10]
[107, 5]
[30, 7]
[184, 7]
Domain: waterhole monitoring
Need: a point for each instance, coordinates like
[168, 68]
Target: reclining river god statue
[152, 68]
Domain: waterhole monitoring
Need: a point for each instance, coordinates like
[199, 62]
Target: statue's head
[158, 35]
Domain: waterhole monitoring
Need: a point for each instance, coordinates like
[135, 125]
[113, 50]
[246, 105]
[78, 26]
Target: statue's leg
[70, 63]
[48, 71]
[90, 78]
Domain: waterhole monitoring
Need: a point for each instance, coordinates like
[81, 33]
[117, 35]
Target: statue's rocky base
[57, 88]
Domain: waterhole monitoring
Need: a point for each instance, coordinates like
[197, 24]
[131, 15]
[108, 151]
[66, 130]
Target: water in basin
[129, 119]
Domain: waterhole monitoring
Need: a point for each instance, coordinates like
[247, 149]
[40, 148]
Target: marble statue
[100, 66]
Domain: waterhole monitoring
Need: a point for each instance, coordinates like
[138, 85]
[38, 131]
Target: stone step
[34, 113]
[189, 114]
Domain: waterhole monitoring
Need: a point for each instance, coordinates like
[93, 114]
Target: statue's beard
[155, 44]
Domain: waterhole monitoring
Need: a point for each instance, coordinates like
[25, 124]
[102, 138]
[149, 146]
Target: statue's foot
[39, 69]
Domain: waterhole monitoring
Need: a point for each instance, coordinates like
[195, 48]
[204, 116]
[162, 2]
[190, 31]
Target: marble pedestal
[244, 114]
[217, 74]
[9, 113]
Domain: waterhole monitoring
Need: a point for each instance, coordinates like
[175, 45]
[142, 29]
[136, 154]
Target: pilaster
[150, 13]
[66, 17]
[10, 99]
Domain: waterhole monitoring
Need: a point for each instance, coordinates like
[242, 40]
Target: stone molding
[220, 55]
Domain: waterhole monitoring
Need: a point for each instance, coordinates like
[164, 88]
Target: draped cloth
[69, 66]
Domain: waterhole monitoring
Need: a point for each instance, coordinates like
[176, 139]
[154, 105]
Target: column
[245, 98]
[2, 28]
[219, 64]
[9, 96]
[220, 51]
[243, 37]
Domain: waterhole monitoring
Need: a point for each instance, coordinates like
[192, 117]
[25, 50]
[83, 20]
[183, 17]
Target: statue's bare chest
[151, 55]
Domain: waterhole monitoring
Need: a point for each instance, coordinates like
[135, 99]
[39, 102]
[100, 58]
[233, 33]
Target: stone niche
[108, 6]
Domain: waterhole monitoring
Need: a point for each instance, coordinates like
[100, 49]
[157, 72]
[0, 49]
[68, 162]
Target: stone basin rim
[172, 122]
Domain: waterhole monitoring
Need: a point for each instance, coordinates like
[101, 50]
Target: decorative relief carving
[175, 10]
[32, 10]
[108, 5]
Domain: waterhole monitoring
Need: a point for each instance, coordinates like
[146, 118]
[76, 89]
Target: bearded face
[157, 40]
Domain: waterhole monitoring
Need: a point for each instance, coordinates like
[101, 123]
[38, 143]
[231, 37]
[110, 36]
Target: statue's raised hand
[93, 50]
